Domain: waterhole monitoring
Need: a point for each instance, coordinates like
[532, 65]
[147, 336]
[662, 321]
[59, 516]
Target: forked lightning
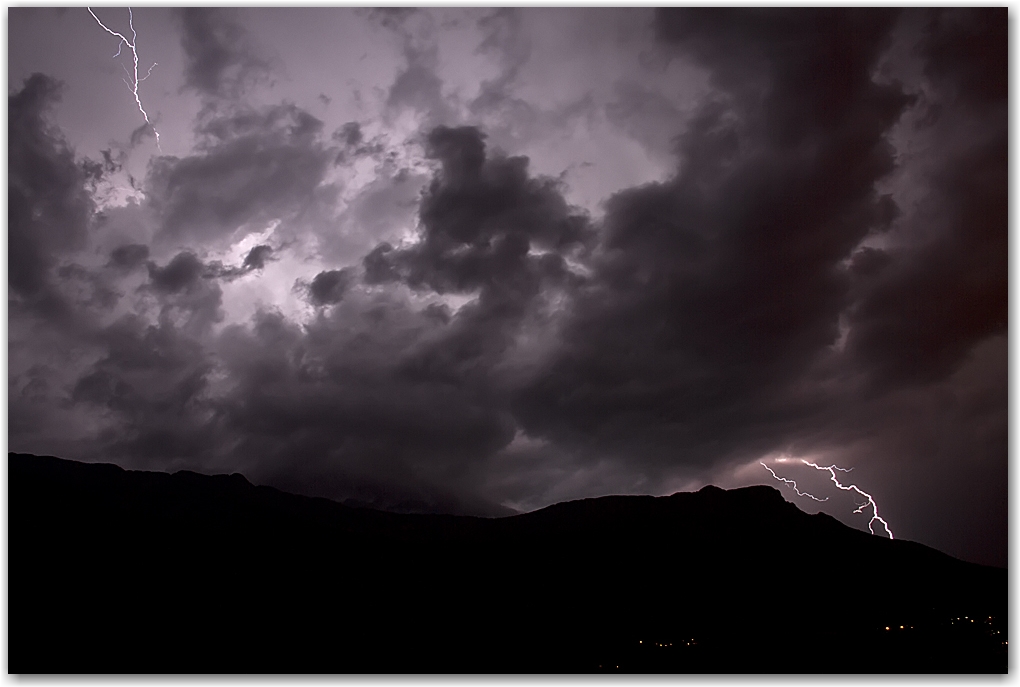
[831, 469]
[793, 484]
[133, 84]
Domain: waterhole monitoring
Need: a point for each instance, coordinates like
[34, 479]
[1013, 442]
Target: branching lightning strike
[133, 84]
[831, 469]
[793, 484]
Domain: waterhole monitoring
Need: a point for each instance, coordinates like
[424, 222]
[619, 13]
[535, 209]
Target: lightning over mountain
[831, 469]
[792, 484]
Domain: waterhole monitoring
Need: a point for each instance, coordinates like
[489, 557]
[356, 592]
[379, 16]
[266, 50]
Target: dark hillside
[119, 571]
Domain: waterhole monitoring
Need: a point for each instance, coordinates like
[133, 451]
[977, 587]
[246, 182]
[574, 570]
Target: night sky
[480, 261]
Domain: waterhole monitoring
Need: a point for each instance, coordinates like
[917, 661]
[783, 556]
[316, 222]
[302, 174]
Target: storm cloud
[401, 294]
[49, 207]
[220, 60]
[252, 166]
[742, 247]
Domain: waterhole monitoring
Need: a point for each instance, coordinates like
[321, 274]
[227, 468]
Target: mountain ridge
[768, 495]
[288, 579]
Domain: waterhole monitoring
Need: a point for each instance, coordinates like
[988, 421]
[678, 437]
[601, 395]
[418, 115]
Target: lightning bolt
[831, 469]
[133, 84]
[790, 482]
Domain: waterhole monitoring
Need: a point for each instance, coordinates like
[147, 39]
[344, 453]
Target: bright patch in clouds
[471, 257]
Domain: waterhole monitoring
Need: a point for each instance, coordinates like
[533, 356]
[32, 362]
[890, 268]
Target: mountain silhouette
[116, 571]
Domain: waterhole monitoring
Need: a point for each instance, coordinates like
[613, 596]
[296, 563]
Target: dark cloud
[968, 48]
[257, 257]
[717, 291]
[812, 65]
[182, 272]
[252, 166]
[329, 410]
[352, 138]
[96, 172]
[349, 134]
[129, 256]
[379, 268]
[88, 288]
[710, 330]
[189, 295]
[375, 399]
[185, 272]
[480, 219]
[219, 61]
[49, 209]
[146, 130]
[919, 318]
[868, 261]
[329, 287]
[152, 383]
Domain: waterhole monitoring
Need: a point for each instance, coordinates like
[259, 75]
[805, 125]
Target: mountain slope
[121, 571]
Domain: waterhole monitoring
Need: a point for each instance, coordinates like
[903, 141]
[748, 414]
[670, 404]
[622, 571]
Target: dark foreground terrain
[117, 571]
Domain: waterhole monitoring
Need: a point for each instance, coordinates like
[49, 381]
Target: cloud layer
[401, 310]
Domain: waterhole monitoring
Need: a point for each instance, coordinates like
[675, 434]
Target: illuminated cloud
[471, 260]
